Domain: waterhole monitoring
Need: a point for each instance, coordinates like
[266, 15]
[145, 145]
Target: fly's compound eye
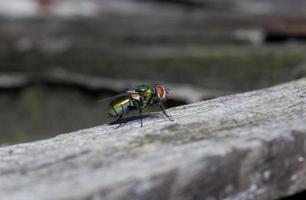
[161, 92]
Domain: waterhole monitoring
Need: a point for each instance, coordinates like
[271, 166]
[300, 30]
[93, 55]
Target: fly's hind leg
[118, 120]
[141, 120]
[162, 107]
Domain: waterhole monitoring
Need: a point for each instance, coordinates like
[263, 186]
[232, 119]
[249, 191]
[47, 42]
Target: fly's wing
[110, 99]
[135, 89]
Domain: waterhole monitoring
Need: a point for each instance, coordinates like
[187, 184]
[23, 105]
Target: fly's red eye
[161, 91]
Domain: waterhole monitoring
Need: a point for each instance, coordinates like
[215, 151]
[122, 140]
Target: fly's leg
[162, 107]
[140, 114]
[138, 104]
[119, 118]
[139, 107]
[140, 111]
[118, 121]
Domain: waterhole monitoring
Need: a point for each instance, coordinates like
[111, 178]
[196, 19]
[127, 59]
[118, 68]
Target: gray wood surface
[244, 146]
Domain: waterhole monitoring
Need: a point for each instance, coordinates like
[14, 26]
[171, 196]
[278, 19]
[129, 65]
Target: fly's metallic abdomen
[120, 106]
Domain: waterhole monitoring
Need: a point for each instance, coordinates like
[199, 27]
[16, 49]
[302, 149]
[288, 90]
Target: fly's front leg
[162, 107]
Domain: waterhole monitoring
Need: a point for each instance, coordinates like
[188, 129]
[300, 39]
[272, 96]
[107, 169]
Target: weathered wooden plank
[245, 146]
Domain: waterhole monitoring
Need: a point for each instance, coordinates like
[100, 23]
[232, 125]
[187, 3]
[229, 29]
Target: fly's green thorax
[148, 91]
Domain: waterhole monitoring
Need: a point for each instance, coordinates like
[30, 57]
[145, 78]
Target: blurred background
[58, 57]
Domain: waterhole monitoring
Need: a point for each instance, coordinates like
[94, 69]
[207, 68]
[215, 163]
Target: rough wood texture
[245, 146]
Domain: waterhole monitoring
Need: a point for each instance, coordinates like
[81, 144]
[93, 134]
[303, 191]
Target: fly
[138, 97]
